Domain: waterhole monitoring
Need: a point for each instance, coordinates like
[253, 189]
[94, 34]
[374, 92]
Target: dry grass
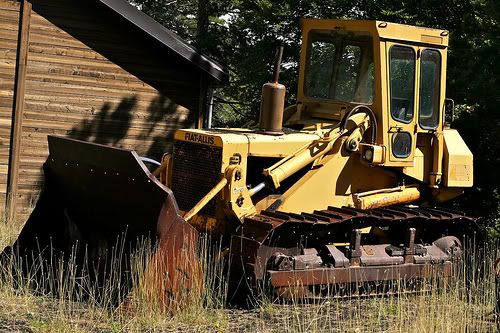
[76, 307]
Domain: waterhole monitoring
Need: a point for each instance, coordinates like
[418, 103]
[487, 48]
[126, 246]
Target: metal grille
[196, 170]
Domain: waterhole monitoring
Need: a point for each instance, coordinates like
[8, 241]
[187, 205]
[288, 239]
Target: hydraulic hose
[149, 160]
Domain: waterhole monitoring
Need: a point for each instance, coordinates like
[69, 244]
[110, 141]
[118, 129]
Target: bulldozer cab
[396, 70]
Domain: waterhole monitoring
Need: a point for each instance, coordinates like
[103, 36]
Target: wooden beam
[202, 106]
[18, 107]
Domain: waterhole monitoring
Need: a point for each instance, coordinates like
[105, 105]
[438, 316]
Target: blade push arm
[298, 160]
[317, 149]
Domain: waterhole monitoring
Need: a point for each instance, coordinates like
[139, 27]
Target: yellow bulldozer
[339, 189]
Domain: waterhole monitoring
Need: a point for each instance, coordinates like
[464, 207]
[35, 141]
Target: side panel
[334, 182]
[458, 161]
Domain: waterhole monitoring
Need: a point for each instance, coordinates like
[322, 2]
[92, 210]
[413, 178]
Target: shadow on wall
[176, 81]
[108, 126]
[154, 129]
[111, 125]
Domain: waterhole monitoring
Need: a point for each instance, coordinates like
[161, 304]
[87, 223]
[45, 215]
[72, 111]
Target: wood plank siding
[9, 24]
[89, 76]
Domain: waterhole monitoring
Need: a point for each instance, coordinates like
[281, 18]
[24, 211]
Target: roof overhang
[166, 37]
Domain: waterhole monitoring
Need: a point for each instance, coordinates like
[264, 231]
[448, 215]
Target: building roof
[167, 38]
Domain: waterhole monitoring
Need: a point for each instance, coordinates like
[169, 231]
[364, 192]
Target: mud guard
[96, 196]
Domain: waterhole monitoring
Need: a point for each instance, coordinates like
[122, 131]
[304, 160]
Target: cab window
[340, 67]
[320, 69]
[347, 73]
[430, 82]
[402, 82]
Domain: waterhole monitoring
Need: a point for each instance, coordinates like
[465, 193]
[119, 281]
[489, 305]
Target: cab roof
[382, 29]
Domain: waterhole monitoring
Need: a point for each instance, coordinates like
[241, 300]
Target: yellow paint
[458, 161]
[203, 201]
[417, 170]
[387, 197]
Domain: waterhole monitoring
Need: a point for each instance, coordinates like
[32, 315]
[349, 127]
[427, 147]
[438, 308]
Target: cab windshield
[340, 67]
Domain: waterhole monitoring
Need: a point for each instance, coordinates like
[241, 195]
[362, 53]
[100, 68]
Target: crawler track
[294, 254]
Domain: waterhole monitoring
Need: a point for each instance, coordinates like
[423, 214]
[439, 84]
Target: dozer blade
[95, 197]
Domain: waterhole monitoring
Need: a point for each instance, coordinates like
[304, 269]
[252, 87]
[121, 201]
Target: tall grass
[60, 296]
[463, 304]
[123, 300]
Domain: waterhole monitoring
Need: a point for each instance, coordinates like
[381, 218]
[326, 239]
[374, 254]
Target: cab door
[402, 72]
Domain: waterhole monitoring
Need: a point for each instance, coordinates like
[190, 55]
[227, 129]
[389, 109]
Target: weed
[60, 296]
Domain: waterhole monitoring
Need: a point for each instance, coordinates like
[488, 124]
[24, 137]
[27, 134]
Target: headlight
[369, 155]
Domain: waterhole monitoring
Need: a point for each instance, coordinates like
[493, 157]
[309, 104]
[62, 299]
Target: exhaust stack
[273, 101]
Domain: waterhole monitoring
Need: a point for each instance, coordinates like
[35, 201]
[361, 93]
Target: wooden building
[97, 70]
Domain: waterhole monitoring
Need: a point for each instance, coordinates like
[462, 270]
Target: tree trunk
[202, 24]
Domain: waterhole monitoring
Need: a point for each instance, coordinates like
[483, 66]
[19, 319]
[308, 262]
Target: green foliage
[178, 16]
[243, 34]
[473, 80]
